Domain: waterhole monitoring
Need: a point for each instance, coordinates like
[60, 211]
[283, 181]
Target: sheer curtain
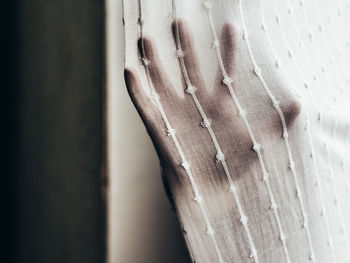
[291, 68]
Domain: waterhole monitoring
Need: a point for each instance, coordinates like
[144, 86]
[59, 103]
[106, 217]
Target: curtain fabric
[246, 103]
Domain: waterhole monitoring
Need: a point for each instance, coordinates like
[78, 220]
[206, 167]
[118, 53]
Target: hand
[193, 135]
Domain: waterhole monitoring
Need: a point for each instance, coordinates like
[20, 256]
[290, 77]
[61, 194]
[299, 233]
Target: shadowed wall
[57, 204]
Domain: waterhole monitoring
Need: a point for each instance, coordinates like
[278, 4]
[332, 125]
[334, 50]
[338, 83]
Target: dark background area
[53, 105]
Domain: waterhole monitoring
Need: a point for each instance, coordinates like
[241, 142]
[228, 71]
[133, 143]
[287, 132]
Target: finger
[148, 112]
[184, 42]
[228, 46]
[138, 96]
[291, 110]
[160, 81]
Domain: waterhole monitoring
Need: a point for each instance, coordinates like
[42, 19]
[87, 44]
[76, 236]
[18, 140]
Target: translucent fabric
[247, 104]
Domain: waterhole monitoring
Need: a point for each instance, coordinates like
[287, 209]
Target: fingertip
[140, 46]
[291, 110]
[228, 40]
[145, 47]
[132, 84]
[129, 77]
[228, 30]
[174, 28]
[178, 24]
[228, 37]
[184, 30]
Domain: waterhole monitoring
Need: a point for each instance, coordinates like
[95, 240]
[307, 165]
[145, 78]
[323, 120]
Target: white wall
[141, 227]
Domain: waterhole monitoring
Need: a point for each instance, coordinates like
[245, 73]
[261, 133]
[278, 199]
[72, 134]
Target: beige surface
[142, 227]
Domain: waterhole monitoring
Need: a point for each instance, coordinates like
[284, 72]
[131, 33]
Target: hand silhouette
[215, 146]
